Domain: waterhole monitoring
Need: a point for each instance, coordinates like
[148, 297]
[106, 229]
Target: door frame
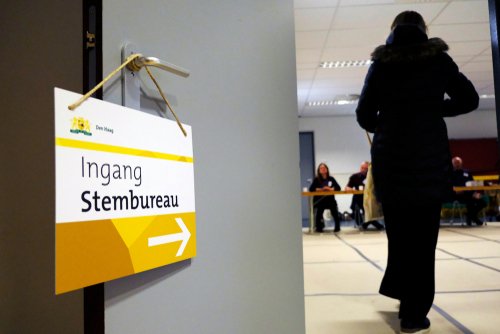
[93, 296]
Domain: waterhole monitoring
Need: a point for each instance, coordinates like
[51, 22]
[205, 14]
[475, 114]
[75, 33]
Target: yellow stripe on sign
[120, 150]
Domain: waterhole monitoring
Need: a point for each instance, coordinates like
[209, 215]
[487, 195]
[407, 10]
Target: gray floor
[342, 273]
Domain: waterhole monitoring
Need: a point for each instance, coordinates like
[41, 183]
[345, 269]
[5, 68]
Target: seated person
[357, 182]
[324, 182]
[472, 199]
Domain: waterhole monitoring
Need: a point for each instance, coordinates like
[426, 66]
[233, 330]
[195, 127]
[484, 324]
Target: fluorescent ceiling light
[339, 100]
[344, 63]
[419, 1]
[486, 96]
[320, 103]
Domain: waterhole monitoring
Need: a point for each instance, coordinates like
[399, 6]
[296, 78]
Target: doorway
[307, 164]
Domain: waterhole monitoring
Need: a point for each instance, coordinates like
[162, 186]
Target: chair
[453, 212]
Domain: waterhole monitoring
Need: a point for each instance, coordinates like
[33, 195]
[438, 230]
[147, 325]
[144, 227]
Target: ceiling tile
[331, 30]
[356, 83]
[313, 19]
[485, 56]
[365, 2]
[479, 76]
[478, 67]
[342, 38]
[322, 93]
[307, 66]
[310, 39]
[467, 48]
[308, 56]
[461, 32]
[379, 16]
[305, 74]
[341, 73]
[471, 11]
[463, 59]
[314, 3]
[335, 110]
[355, 53]
[484, 87]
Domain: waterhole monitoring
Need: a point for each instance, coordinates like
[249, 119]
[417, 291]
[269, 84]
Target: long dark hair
[318, 175]
[409, 17]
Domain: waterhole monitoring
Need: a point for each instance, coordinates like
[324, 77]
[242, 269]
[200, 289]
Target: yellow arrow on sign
[168, 238]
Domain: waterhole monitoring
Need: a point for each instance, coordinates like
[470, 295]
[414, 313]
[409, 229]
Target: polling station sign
[125, 200]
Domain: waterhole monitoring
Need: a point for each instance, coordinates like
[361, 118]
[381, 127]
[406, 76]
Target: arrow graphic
[168, 238]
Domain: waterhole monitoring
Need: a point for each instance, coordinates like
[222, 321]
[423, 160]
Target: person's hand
[327, 188]
[477, 195]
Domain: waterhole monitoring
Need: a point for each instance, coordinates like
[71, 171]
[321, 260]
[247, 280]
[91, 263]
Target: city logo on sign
[80, 125]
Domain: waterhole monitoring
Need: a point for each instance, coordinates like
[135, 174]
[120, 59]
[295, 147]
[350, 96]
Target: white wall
[478, 124]
[241, 102]
[342, 144]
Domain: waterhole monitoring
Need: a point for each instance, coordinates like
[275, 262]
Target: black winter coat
[403, 102]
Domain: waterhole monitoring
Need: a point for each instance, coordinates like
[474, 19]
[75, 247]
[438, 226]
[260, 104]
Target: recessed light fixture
[320, 103]
[339, 100]
[419, 1]
[344, 63]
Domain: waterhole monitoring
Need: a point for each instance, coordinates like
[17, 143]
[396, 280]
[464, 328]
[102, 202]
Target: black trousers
[325, 202]
[473, 205]
[412, 233]
[358, 212]
[357, 209]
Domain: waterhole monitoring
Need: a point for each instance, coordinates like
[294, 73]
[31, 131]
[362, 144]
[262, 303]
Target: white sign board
[124, 192]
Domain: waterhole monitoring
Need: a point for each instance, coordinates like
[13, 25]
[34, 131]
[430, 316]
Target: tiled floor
[342, 274]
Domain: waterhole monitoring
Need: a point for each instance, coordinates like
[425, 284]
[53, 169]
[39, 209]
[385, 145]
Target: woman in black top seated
[324, 182]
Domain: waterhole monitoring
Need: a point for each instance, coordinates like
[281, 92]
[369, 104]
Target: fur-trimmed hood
[405, 44]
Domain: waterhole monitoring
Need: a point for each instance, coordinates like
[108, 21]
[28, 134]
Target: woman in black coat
[403, 103]
[325, 182]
